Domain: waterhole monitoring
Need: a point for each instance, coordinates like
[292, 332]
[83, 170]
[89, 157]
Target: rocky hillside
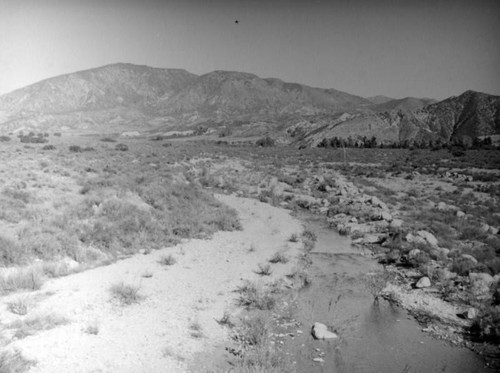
[405, 104]
[467, 116]
[96, 89]
[121, 97]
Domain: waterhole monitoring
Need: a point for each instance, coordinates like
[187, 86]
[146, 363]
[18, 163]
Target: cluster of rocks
[456, 176]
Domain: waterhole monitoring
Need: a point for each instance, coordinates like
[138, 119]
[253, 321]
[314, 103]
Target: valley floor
[176, 314]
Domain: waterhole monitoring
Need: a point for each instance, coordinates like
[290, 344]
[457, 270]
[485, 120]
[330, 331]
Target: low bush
[48, 147]
[253, 296]
[167, 260]
[263, 269]
[14, 362]
[32, 325]
[121, 147]
[125, 294]
[278, 257]
[75, 149]
[487, 326]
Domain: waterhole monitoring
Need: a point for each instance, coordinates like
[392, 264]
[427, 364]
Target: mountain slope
[469, 115]
[96, 89]
[231, 95]
[405, 104]
[120, 97]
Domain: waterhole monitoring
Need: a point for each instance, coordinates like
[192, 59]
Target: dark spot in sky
[236, 21]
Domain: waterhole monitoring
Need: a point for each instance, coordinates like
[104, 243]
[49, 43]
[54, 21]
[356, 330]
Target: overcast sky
[367, 47]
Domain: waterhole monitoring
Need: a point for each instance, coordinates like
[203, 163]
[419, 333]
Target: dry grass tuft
[125, 294]
[35, 324]
[14, 362]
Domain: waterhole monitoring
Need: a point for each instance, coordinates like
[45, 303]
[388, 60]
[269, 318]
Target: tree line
[439, 143]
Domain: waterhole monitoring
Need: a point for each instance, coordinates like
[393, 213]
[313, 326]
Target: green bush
[121, 147]
[75, 149]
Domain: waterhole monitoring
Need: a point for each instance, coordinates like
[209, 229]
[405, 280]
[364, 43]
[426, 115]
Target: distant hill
[469, 115]
[377, 100]
[123, 97]
[405, 104]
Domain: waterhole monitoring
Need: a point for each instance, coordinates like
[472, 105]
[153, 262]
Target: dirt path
[154, 335]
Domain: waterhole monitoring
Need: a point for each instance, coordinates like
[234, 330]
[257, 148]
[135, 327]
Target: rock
[411, 238]
[483, 277]
[471, 313]
[445, 207]
[460, 214]
[443, 252]
[318, 360]
[469, 257]
[386, 216]
[70, 264]
[485, 227]
[320, 331]
[413, 253]
[396, 223]
[369, 238]
[323, 210]
[424, 282]
[429, 238]
[480, 284]
[378, 203]
[493, 230]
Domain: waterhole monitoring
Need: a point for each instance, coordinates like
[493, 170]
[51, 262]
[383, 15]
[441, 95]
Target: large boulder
[429, 238]
[480, 284]
[424, 282]
[320, 331]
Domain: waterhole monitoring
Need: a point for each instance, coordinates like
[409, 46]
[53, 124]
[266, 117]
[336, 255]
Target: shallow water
[373, 336]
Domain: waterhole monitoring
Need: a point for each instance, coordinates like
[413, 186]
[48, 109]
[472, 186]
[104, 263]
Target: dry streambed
[176, 296]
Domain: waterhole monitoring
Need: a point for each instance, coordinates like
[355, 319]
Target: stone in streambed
[424, 282]
[320, 331]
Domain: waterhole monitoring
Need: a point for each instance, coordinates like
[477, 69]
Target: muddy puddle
[373, 336]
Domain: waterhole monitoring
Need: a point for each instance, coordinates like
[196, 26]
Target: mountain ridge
[123, 95]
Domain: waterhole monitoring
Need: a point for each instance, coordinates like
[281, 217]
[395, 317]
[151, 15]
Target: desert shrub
[487, 326]
[33, 139]
[462, 266]
[294, 237]
[17, 193]
[10, 252]
[48, 147]
[278, 257]
[258, 354]
[253, 296]
[167, 260]
[471, 233]
[266, 142]
[309, 234]
[263, 269]
[300, 278]
[24, 278]
[121, 147]
[14, 362]
[46, 242]
[75, 149]
[32, 325]
[125, 294]
[19, 306]
[4, 138]
[108, 139]
[57, 134]
[119, 225]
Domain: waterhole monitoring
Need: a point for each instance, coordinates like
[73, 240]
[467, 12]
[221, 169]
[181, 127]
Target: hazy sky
[395, 48]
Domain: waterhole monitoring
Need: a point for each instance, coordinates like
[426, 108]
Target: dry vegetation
[86, 201]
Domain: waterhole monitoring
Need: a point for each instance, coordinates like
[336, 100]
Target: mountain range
[124, 97]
